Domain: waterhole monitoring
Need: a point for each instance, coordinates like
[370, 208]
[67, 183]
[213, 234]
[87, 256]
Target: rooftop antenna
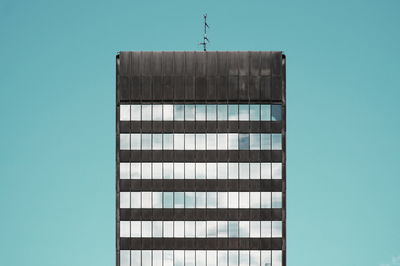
[205, 39]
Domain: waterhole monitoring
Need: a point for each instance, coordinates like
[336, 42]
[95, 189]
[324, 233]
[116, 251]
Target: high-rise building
[200, 159]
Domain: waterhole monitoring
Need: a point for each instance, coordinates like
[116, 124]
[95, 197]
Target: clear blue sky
[57, 89]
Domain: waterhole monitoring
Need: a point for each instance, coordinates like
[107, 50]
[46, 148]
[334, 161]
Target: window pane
[136, 200]
[276, 229]
[179, 112]
[255, 170]
[136, 141]
[179, 141]
[125, 113]
[211, 257]
[211, 141]
[157, 141]
[168, 229]
[222, 170]
[222, 228]
[168, 257]
[200, 112]
[244, 112]
[124, 200]
[168, 199]
[211, 200]
[244, 200]
[265, 112]
[233, 258]
[265, 141]
[200, 141]
[254, 199]
[179, 200]
[136, 171]
[255, 141]
[200, 229]
[168, 141]
[157, 229]
[189, 171]
[146, 141]
[157, 200]
[157, 171]
[211, 170]
[254, 112]
[124, 229]
[233, 140]
[146, 200]
[190, 200]
[124, 169]
[136, 258]
[265, 170]
[254, 228]
[146, 229]
[276, 258]
[168, 113]
[266, 257]
[222, 199]
[265, 229]
[146, 257]
[124, 141]
[179, 258]
[200, 170]
[233, 112]
[276, 112]
[244, 142]
[244, 170]
[190, 229]
[157, 258]
[168, 171]
[244, 257]
[211, 112]
[276, 141]
[157, 112]
[244, 229]
[146, 170]
[190, 258]
[179, 171]
[276, 170]
[189, 142]
[189, 112]
[222, 141]
[136, 229]
[276, 199]
[211, 228]
[136, 114]
[255, 258]
[200, 199]
[222, 258]
[146, 112]
[233, 199]
[233, 170]
[222, 112]
[265, 199]
[179, 229]
[200, 258]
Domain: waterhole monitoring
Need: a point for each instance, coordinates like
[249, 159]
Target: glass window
[276, 141]
[168, 112]
[157, 171]
[276, 112]
[233, 199]
[190, 258]
[211, 112]
[254, 228]
[265, 170]
[190, 200]
[211, 170]
[266, 258]
[157, 258]
[125, 113]
[168, 170]
[211, 228]
[211, 141]
[124, 141]
[189, 142]
[124, 229]
[265, 141]
[276, 199]
[200, 199]
[244, 142]
[244, 170]
[254, 112]
[179, 171]
[233, 112]
[211, 200]
[157, 112]
[244, 200]
[136, 114]
[222, 258]
[136, 258]
[265, 199]
[146, 141]
[146, 200]
[136, 171]
[276, 170]
[157, 229]
[179, 112]
[265, 229]
[136, 200]
[254, 199]
[200, 229]
[136, 229]
[179, 258]
[222, 141]
[211, 257]
[189, 171]
[146, 170]
[233, 140]
[200, 170]
[179, 229]
[179, 141]
[190, 229]
[222, 228]
[276, 229]
[265, 112]
[200, 141]
[233, 170]
[276, 258]
[255, 141]
[168, 141]
[233, 258]
[255, 170]
[255, 258]
[124, 170]
[146, 257]
[146, 229]
[157, 200]
[136, 141]
[157, 142]
[222, 112]
[146, 112]
[200, 112]
[222, 199]
[222, 170]
[244, 112]
[169, 257]
[168, 199]
[244, 256]
[200, 258]
[189, 112]
[168, 229]
[179, 200]
[124, 200]
[244, 229]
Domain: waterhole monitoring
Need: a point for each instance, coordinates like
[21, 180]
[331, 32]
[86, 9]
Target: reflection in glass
[168, 257]
[146, 257]
[265, 229]
[146, 200]
[276, 141]
[265, 112]
[244, 229]
[276, 229]
[233, 170]
[157, 229]
[189, 112]
[254, 112]
[190, 229]
[222, 112]
[179, 258]
[222, 228]
[136, 112]
[233, 199]
[255, 258]
[254, 228]
[265, 141]
[254, 199]
[211, 141]
[146, 229]
[276, 258]
[265, 170]
[222, 257]
[266, 258]
[233, 140]
[157, 258]
[255, 142]
[200, 258]
[211, 200]
[255, 171]
[168, 229]
[157, 142]
[265, 199]
[157, 200]
[146, 141]
[222, 141]
[179, 112]
[276, 170]
[222, 170]
[200, 170]
[168, 171]
[124, 170]
[200, 141]
[211, 112]
[244, 170]
[190, 171]
[124, 113]
[222, 199]
[190, 258]
[168, 199]
[200, 199]
[168, 141]
[168, 112]
[211, 228]
[157, 171]
[136, 199]
[244, 256]
[190, 200]
[233, 258]
[125, 257]
[125, 229]
[146, 112]
[146, 170]
[211, 257]
[179, 199]
[136, 258]
[276, 112]
[233, 112]
[179, 229]
[201, 229]
[179, 171]
[276, 199]
[157, 112]
[200, 112]
[136, 228]
[136, 171]
[124, 142]
[211, 170]
[244, 112]
[124, 200]
[189, 142]
[243, 199]
[179, 141]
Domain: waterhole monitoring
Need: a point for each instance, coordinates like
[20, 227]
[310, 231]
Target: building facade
[201, 159]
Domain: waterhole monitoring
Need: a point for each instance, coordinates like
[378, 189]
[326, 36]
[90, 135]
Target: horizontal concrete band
[271, 185]
[201, 244]
[201, 214]
[200, 127]
[200, 156]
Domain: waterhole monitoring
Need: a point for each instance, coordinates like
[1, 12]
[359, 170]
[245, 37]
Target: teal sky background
[57, 101]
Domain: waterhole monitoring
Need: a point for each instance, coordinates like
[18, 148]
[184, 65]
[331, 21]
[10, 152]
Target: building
[200, 156]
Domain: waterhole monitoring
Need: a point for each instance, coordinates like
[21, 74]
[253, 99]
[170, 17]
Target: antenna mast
[205, 39]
